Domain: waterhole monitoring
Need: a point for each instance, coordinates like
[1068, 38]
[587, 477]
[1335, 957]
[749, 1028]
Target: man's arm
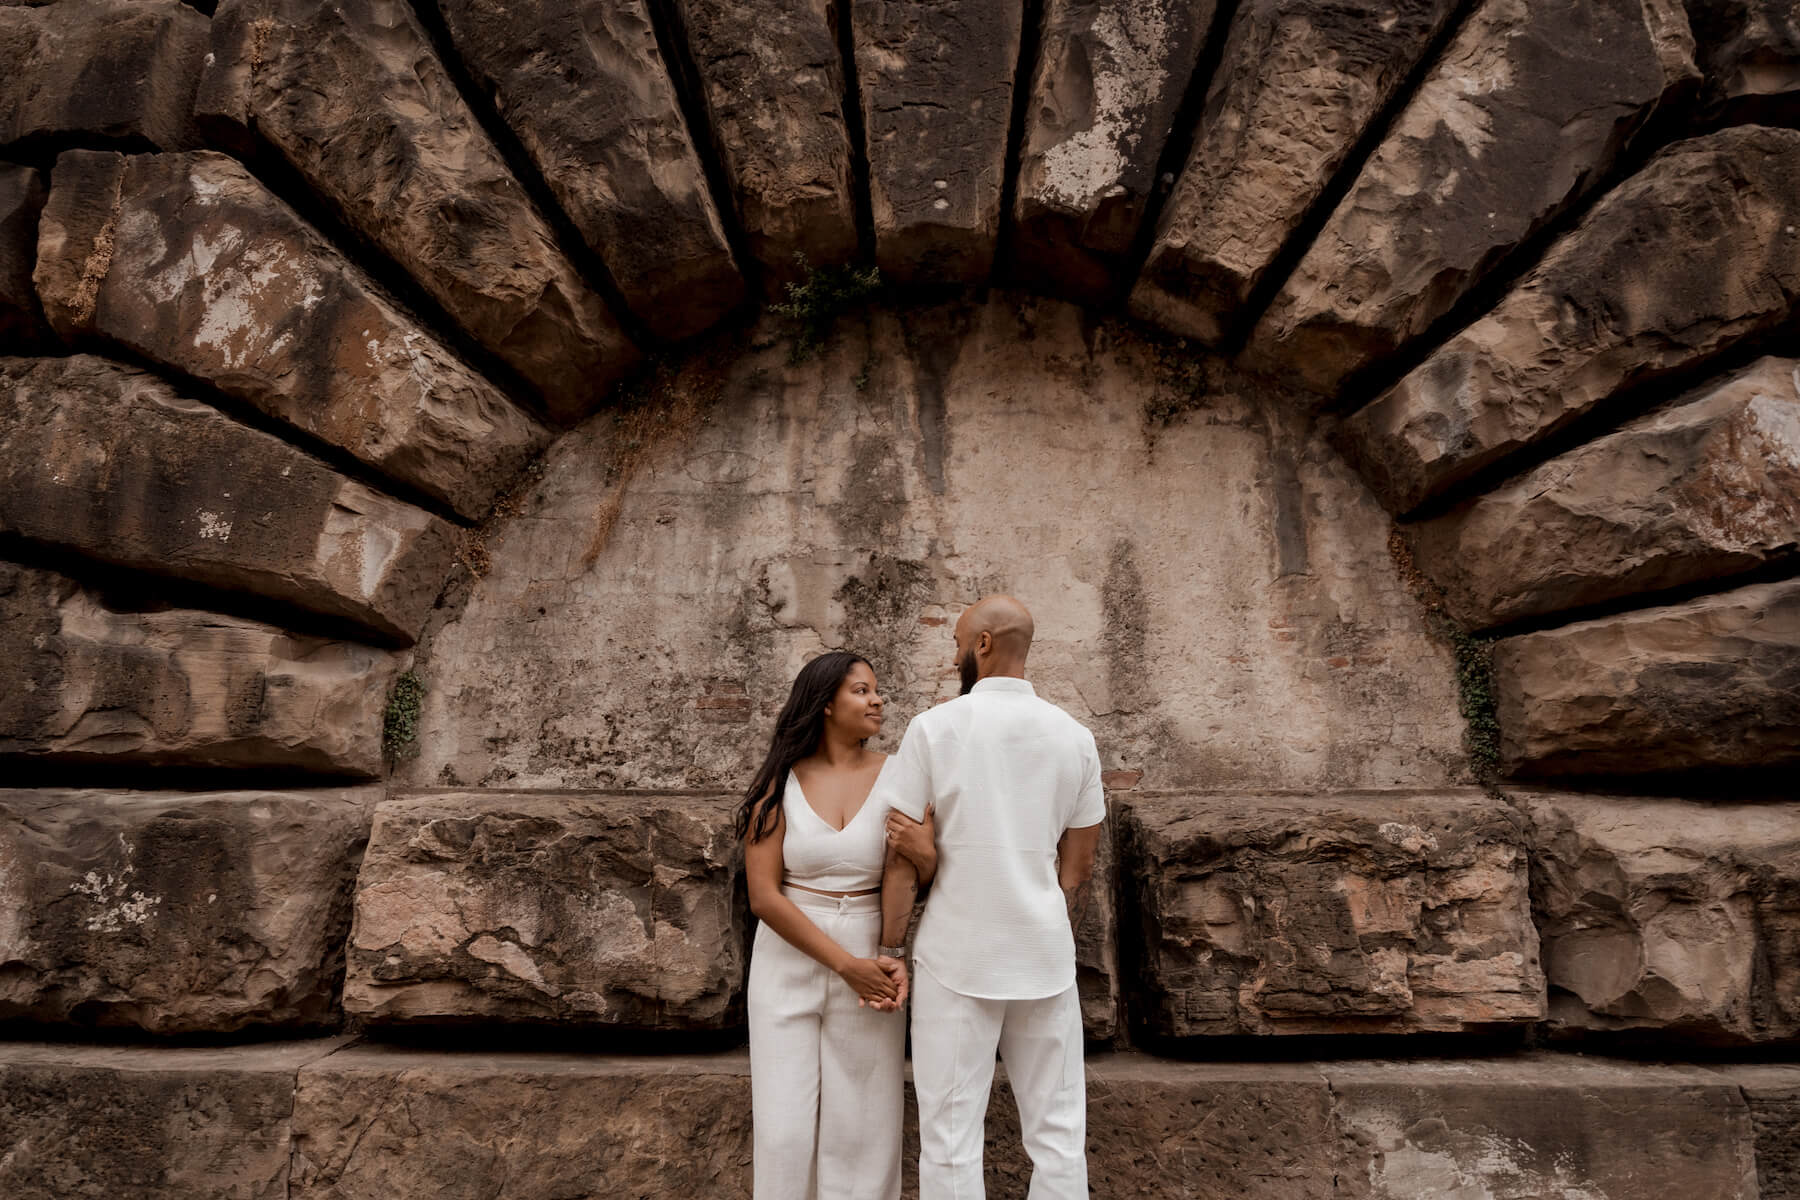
[899, 892]
[1075, 869]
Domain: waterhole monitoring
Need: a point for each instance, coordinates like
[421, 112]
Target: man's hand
[872, 982]
[896, 972]
[914, 839]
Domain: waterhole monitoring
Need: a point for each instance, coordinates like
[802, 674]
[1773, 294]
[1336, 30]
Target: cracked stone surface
[104, 684]
[1750, 50]
[109, 462]
[177, 912]
[620, 910]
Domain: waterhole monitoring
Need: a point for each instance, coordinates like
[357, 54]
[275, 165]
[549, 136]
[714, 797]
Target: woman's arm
[917, 840]
[762, 872]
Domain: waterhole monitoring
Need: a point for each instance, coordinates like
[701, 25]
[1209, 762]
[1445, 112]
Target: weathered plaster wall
[1214, 595]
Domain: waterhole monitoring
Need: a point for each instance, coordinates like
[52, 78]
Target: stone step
[372, 1120]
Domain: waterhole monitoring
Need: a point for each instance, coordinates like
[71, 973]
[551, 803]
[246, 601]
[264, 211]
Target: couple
[995, 795]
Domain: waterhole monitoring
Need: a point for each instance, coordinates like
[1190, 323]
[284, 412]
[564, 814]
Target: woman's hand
[896, 970]
[915, 840]
[872, 983]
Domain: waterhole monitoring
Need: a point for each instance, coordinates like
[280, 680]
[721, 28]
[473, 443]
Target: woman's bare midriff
[833, 895]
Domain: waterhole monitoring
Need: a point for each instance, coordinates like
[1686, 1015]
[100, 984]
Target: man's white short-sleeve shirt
[1009, 774]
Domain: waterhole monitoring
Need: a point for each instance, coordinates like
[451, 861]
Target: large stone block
[582, 84]
[176, 687]
[1540, 1126]
[21, 200]
[122, 70]
[620, 909]
[1668, 917]
[1697, 491]
[188, 260]
[177, 912]
[1298, 82]
[1772, 1090]
[1750, 50]
[1600, 314]
[1374, 913]
[149, 1123]
[351, 95]
[774, 89]
[1528, 108]
[1713, 682]
[109, 462]
[936, 79]
[1108, 84]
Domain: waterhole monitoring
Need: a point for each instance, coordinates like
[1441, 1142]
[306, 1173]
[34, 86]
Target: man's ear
[984, 643]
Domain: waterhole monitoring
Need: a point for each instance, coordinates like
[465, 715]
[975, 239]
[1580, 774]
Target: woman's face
[856, 709]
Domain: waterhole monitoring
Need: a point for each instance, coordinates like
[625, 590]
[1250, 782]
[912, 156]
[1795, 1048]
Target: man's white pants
[827, 1078]
[954, 1038]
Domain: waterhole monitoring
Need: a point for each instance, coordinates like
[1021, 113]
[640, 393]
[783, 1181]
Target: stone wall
[414, 513]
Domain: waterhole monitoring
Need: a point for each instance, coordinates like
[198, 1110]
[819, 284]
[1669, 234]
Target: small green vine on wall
[1475, 689]
[816, 302]
[400, 720]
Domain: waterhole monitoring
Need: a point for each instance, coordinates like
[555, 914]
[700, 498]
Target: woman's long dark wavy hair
[797, 733]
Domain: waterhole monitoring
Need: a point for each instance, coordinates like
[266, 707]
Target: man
[1015, 782]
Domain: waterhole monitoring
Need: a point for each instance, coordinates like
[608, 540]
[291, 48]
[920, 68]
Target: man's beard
[970, 672]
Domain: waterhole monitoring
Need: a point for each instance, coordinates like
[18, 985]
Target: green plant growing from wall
[1475, 692]
[400, 720]
[817, 301]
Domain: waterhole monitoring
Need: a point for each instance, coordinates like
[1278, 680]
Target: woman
[826, 1035]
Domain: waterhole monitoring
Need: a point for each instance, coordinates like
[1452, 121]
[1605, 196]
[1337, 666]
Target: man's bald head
[993, 637]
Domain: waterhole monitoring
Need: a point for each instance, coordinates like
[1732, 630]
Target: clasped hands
[880, 983]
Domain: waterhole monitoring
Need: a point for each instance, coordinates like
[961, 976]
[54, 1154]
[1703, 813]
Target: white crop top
[815, 855]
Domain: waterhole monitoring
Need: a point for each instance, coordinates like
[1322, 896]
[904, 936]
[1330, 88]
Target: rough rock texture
[119, 70]
[1298, 82]
[1773, 1094]
[177, 912]
[1529, 107]
[1665, 916]
[580, 909]
[1689, 256]
[645, 613]
[189, 261]
[21, 200]
[1750, 50]
[351, 95]
[107, 1122]
[774, 87]
[936, 79]
[583, 86]
[1541, 1126]
[178, 687]
[1711, 683]
[1109, 80]
[109, 462]
[1373, 913]
[1097, 944]
[1700, 490]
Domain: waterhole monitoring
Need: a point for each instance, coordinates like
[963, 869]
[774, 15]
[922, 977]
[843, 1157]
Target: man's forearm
[1076, 895]
[899, 891]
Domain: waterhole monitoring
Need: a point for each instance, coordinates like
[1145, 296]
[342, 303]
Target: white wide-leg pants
[954, 1040]
[826, 1076]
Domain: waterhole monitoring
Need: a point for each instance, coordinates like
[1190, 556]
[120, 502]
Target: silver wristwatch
[891, 951]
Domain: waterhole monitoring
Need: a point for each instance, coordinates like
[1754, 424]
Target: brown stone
[1298, 82]
[21, 200]
[1600, 314]
[1540, 1125]
[1772, 1090]
[120, 70]
[1668, 917]
[1108, 84]
[1529, 107]
[774, 89]
[583, 86]
[175, 687]
[1750, 50]
[1701, 490]
[1713, 682]
[188, 260]
[936, 79]
[352, 97]
[1373, 913]
[177, 912]
[1097, 945]
[149, 1123]
[578, 908]
[111, 463]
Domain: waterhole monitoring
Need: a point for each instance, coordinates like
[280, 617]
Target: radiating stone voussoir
[109, 462]
[1370, 913]
[582, 909]
[188, 260]
[177, 912]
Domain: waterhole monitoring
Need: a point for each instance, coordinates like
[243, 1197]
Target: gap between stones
[844, 28]
[1031, 34]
